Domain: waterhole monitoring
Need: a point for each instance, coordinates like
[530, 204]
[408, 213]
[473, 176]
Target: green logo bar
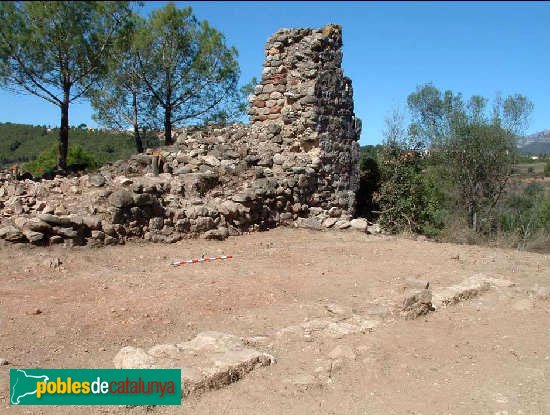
[95, 386]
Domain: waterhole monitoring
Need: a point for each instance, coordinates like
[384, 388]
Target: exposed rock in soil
[209, 361]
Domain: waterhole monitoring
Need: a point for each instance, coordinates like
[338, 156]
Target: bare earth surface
[485, 355]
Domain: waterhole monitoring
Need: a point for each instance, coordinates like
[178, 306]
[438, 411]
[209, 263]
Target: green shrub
[525, 215]
[46, 162]
[407, 200]
[547, 169]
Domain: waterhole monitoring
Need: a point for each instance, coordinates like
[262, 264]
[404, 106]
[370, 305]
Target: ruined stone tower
[304, 91]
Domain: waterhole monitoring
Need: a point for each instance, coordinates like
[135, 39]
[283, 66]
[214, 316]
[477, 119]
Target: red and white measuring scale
[198, 260]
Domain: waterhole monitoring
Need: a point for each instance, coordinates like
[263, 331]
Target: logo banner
[95, 386]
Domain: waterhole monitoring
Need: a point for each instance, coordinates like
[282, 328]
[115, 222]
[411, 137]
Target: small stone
[54, 219]
[38, 225]
[183, 170]
[56, 239]
[65, 232]
[19, 190]
[308, 223]
[123, 180]
[359, 224]
[241, 197]
[278, 159]
[417, 304]
[342, 224]
[60, 210]
[11, 234]
[92, 222]
[335, 212]
[109, 240]
[329, 222]
[96, 180]
[211, 161]
[217, 234]
[33, 237]
[145, 199]
[20, 221]
[121, 199]
[4, 362]
[99, 235]
[374, 228]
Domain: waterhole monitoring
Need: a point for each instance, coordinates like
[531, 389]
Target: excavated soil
[489, 354]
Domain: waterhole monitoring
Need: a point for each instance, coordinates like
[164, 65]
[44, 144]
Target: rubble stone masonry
[296, 163]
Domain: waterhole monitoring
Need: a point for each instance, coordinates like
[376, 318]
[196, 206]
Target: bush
[407, 200]
[46, 162]
[524, 216]
[547, 169]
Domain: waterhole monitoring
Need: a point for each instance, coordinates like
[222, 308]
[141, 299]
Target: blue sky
[389, 49]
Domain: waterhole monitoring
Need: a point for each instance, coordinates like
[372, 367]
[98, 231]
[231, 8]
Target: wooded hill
[20, 143]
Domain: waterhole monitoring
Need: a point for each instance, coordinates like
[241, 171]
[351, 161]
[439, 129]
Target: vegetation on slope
[20, 143]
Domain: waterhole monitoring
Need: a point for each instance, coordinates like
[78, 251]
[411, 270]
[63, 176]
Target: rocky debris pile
[296, 163]
[211, 360]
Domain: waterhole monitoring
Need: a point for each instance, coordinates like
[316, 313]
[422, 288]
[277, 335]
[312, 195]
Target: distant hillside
[538, 143]
[20, 143]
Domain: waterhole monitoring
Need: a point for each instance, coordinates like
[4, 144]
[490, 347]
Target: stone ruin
[296, 163]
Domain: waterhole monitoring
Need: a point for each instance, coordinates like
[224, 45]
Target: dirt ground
[487, 355]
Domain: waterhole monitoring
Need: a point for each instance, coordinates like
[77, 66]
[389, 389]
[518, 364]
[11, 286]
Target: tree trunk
[137, 137]
[64, 133]
[168, 125]
[168, 111]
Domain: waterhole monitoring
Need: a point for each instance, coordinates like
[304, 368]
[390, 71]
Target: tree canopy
[471, 149]
[57, 50]
[119, 98]
[189, 71]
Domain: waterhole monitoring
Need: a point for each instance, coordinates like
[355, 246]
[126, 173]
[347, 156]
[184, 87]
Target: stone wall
[295, 163]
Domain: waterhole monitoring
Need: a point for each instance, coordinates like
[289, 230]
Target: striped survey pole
[199, 260]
